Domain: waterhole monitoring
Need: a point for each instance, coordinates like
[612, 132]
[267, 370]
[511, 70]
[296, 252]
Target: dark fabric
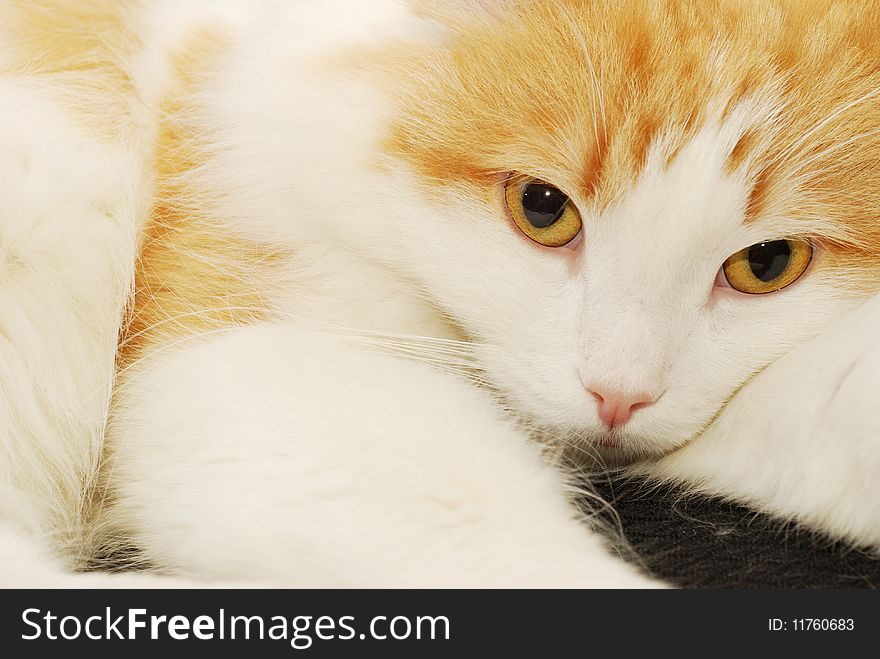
[698, 542]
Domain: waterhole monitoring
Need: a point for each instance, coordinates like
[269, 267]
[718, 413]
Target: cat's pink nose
[617, 407]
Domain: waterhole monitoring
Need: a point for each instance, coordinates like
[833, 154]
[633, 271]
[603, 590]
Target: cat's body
[343, 356]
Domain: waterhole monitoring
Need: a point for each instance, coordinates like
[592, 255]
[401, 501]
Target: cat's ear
[461, 12]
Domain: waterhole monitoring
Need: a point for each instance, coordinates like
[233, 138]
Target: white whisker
[792, 149]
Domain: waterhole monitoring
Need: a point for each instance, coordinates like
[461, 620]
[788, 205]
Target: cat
[401, 264]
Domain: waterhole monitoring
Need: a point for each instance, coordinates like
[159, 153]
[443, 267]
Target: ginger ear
[456, 13]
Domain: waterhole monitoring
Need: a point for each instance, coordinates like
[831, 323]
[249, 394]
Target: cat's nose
[617, 407]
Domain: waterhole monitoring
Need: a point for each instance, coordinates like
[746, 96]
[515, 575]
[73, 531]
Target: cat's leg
[68, 210]
[802, 439]
[282, 455]
[28, 562]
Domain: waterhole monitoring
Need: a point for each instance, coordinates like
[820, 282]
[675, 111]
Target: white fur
[67, 242]
[70, 206]
[25, 562]
[315, 463]
[802, 439]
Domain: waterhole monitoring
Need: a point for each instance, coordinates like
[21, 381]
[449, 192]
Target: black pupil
[543, 204]
[769, 260]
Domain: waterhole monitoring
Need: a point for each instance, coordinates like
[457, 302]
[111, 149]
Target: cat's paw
[802, 440]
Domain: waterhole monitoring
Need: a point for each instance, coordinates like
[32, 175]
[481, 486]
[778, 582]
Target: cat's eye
[768, 267]
[542, 211]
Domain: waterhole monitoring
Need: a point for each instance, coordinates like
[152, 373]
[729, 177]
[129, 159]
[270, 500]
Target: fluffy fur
[68, 242]
[342, 360]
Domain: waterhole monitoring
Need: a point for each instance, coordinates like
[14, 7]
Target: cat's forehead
[585, 93]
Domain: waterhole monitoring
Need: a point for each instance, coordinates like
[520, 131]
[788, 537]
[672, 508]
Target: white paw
[802, 440]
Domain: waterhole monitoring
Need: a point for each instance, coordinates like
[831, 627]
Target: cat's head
[636, 207]
[567, 179]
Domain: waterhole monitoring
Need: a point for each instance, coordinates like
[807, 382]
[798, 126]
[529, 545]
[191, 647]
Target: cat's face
[578, 175]
[674, 135]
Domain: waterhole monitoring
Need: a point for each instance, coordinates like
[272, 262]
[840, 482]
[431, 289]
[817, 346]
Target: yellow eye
[768, 267]
[542, 211]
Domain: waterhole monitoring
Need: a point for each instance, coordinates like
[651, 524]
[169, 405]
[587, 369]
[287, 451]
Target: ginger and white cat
[395, 257]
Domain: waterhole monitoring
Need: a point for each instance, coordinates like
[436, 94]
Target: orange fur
[192, 276]
[577, 91]
[81, 48]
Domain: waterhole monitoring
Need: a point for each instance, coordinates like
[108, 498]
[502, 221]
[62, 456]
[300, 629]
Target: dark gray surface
[698, 542]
